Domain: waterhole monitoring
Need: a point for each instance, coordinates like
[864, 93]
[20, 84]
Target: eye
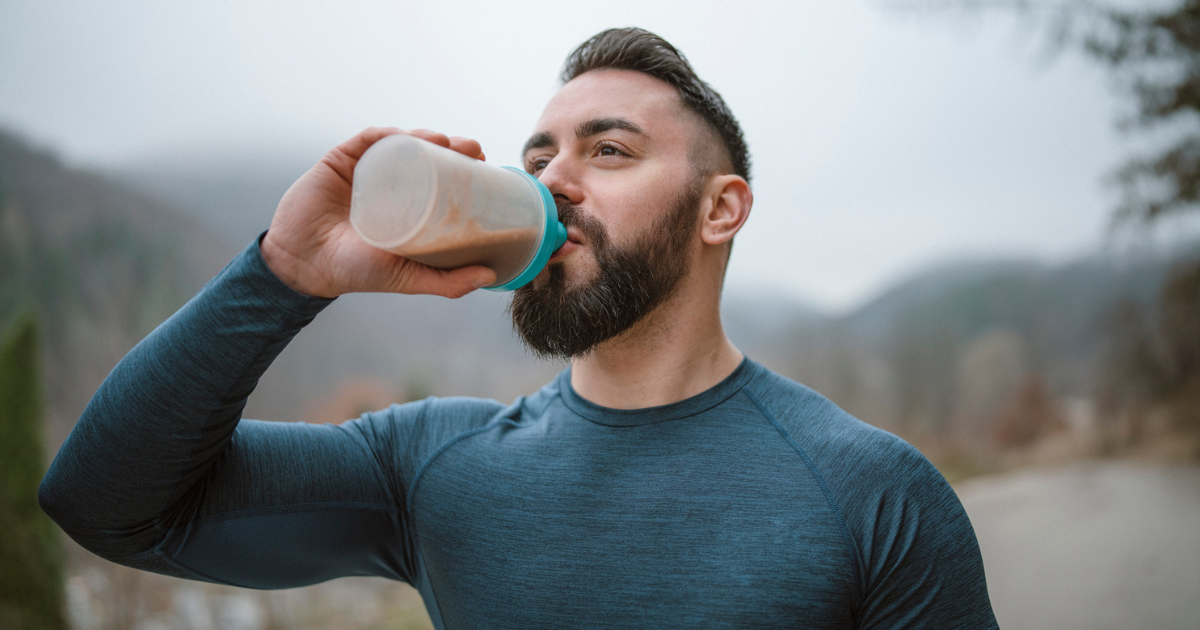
[609, 150]
[538, 164]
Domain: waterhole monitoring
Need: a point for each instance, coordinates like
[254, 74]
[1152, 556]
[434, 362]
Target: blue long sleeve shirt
[757, 503]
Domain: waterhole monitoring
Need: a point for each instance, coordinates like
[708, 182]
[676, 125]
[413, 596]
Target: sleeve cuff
[249, 269]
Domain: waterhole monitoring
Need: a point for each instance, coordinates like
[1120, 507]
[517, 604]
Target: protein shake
[441, 208]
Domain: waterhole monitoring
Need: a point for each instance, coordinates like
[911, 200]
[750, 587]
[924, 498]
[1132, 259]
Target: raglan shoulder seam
[847, 538]
[416, 478]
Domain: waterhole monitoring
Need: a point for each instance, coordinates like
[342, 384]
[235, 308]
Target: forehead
[647, 102]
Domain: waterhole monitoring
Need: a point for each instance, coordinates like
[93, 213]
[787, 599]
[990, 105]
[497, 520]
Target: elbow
[97, 494]
[97, 519]
[66, 507]
[75, 495]
[71, 506]
[50, 495]
[55, 500]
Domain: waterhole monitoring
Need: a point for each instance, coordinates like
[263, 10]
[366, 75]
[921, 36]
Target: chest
[607, 531]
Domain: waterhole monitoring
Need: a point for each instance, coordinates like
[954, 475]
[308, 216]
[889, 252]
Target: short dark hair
[642, 51]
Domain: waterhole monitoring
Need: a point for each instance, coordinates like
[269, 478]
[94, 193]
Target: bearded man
[662, 480]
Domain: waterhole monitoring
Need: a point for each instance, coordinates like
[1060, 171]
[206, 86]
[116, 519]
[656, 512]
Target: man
[663, 480]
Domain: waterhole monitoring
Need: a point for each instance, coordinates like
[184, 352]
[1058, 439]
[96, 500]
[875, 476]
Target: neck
[677, 351]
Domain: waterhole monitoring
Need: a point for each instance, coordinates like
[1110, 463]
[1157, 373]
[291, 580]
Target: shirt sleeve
[161, 473]
[921, 562]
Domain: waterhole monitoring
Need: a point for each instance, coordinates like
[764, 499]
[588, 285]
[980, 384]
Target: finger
[356, 146]
[439, 139]
[467, 147]
[343, 158]
[452, 283]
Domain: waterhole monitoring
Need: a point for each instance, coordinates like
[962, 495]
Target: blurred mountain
[99, 265]
[233, 196]
[771, 327]
[1061, 304]
[956, 341]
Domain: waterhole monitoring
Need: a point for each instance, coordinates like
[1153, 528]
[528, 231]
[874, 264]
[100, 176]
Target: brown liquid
[504, 251]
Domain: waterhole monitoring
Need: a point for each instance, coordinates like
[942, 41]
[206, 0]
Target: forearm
[166, 413]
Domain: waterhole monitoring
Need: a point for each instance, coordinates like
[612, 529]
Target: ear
[730, 200]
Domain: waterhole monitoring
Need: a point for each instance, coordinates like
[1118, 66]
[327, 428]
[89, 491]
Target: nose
[562, 177]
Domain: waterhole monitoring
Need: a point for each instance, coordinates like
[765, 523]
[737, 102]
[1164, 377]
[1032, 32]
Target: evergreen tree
[31, 576]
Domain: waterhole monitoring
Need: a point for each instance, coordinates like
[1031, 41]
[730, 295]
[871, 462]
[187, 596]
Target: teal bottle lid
[553, 237]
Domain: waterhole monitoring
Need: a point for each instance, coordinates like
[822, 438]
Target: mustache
[569, 214]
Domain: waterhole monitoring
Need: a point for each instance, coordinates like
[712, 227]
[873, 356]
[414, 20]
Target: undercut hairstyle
[642, 51]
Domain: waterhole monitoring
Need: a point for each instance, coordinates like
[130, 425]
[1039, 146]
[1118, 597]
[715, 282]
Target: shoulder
[828, 435]
[431, 418]
[407, 435]
[402, 436]
[905, 524]
[874, 478]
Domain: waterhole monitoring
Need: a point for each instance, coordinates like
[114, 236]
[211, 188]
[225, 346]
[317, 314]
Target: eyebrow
[539, 140]
[595, 126]
[585, 129]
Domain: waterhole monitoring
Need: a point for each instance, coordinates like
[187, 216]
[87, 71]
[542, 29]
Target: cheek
[633, 205]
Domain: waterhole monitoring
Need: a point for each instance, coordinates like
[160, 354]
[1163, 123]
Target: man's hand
[312, 247]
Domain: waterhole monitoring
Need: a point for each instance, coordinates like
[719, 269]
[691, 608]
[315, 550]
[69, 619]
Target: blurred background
[975, 226]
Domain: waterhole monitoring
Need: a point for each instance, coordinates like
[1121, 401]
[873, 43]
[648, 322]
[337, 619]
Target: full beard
[558, 322]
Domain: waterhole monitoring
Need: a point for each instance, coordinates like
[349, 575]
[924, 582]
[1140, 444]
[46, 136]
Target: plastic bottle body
[441, 208]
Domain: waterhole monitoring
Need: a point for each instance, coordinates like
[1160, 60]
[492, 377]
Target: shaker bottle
[441, 208]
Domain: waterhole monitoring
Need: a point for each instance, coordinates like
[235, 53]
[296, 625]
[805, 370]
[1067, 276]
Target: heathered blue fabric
[757, 503]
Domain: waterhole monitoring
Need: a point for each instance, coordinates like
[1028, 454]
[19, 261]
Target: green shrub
[31, 577]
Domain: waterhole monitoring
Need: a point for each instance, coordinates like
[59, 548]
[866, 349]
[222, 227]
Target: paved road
[1096, 546]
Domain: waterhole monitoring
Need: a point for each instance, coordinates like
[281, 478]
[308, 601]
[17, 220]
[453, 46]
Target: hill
[100, 265]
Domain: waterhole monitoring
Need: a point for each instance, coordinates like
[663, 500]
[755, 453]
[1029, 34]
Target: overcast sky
[881, 143]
